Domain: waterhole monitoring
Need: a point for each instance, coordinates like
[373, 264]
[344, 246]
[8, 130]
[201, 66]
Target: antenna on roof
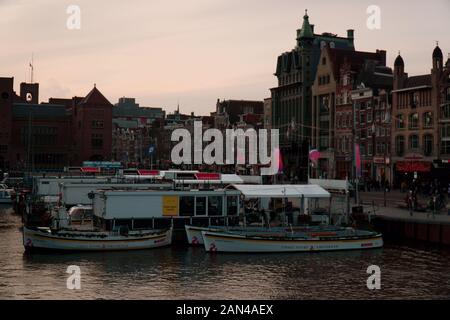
[31, 69]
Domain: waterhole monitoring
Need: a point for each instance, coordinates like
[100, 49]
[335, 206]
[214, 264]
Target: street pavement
[396, 207]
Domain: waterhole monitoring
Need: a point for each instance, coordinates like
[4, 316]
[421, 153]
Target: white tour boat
[80, 230]
[195, 237]
[291, 242]
[76, 240]
[290, 239]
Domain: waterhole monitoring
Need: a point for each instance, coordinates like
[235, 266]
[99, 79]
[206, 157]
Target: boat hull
[40, 239]
[227, 242]
[195, 237]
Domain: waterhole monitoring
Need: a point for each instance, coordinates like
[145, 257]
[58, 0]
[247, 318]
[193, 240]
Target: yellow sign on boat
[170, 206]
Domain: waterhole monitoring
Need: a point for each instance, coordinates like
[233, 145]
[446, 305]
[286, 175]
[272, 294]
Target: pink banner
[358, 160]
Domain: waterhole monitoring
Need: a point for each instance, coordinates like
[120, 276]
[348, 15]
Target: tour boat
[195, 237]
[348, 239]
[76, 240]
[79, 229]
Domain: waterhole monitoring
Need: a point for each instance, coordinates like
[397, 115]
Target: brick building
[420, 126]
[332, 115]
[55, 134]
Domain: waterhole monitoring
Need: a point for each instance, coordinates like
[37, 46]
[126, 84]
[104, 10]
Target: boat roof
[281, 191]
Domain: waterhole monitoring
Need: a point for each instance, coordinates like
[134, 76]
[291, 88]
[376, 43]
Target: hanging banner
[357, 160]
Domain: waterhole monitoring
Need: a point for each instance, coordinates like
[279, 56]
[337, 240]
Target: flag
[357, 161]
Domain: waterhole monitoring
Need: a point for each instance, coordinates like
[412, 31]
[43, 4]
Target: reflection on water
[189, 273]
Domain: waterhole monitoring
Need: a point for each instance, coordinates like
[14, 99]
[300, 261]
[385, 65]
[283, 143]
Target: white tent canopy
[282, 191]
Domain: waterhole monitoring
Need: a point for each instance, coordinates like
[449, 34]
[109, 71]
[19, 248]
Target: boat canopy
[281, 191]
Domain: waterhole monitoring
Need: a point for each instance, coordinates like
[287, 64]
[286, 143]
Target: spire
[306, 31]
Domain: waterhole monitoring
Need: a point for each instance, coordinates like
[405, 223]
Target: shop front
[407, 171]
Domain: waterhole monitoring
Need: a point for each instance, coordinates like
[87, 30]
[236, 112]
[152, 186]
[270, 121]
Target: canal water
[407, 271]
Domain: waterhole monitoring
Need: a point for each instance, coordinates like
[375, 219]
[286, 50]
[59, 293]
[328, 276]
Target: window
[428, 144]
[324, 61]
[97, 124]
[414, 121]
[445, 147]
[214, 206]
[187, 206]
[400, 145]
[428, 119]
[362, 118]
[369, 116]
[400, 122]
[232, 205]
[446, 111]
[97, 141]
[200, 206]
[413, 142]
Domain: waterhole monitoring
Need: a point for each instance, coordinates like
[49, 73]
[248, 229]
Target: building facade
[420, 126]
[55, 134]
[292, 98]
[332, 108]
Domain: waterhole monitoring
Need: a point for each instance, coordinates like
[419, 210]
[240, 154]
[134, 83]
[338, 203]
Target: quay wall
[425, 231]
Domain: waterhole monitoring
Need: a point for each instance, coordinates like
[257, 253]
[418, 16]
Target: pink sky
[195, 51]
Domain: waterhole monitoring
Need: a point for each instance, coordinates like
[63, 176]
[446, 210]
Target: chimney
[350, 33]
[382, 54]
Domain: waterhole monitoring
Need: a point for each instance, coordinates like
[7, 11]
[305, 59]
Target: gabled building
[292, 98]
[332, 106]
[92, 128]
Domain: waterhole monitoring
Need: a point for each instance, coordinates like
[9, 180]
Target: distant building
[231, 113]
[136, 132]
[52, 135]
[268, 113]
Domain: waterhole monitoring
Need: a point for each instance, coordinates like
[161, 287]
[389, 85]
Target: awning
[207, 176]
[90, 169]
[148, 172]
[282, 191]
[223, 179]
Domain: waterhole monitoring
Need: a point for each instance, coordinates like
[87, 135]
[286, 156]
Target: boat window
[232, 208]
[214, 206]
[187, 206]
[200, 206]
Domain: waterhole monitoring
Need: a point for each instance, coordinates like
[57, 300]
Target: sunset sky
[196, 51]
